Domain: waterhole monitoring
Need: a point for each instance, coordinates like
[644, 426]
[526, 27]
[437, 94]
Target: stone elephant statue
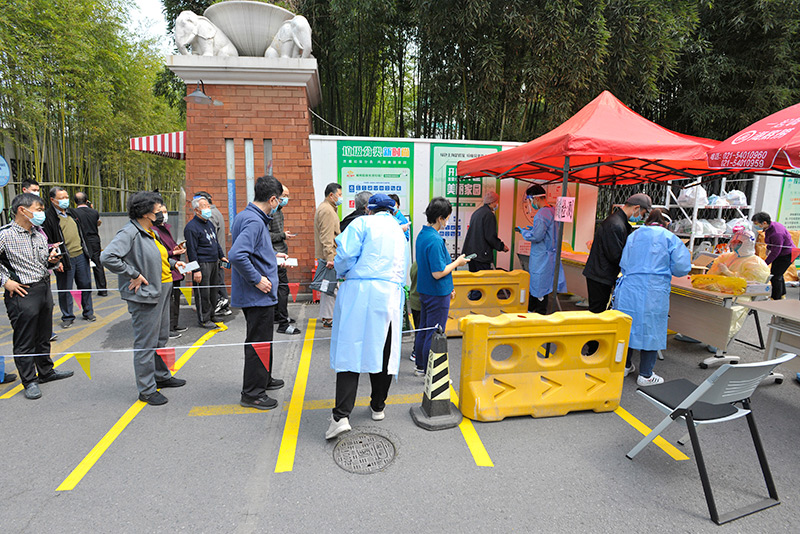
[292, 40]
[202, 35]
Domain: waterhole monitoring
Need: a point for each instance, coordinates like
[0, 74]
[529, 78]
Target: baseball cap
[640, 199]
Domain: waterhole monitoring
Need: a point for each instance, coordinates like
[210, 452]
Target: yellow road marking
[663, 444]
[474, 442]
[63, 346]
[291, 429]
[97, 451]
[324, 404]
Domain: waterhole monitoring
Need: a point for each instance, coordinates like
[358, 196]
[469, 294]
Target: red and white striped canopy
[169, 145]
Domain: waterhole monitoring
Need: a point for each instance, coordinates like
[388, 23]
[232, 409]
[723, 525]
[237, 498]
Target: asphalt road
[88, 457]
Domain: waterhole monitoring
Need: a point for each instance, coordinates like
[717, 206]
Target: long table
[698, 313]
[784, 328]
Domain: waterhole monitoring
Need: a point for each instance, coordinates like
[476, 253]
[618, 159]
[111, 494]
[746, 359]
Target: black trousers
[599, 295]
[31, 318]
[259, 321]
[222, 291]
[347, 385]
[537, 306]
[175, 305]
[97, 270]
[282, 311]
[206, 297]
[475, 266]
[778, 267]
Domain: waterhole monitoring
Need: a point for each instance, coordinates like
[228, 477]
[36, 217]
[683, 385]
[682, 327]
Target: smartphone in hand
[471, 256]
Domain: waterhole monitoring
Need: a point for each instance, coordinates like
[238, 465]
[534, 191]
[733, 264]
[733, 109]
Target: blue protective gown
[651, 257]
[541, 264]
[372, 257]
[401, 220]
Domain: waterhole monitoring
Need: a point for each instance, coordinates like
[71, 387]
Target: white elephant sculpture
[292, 40]
[202, 35]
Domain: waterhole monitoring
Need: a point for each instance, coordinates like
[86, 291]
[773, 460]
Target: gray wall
[113, 222]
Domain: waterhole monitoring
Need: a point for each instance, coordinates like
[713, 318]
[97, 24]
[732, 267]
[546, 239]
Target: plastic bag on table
[686, 198]
[721, 284]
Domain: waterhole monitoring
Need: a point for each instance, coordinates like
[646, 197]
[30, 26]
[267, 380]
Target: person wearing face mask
[779, 250]
[174, 251]
[254, 289]
[326, 228]
[142, 262]
[202, 246]
[543, 238]
[434, 278]
[222, 301]
[30, 186]
[62, 226]
[89, 220]
[24, 264]
[404, 223]
[279, 236]
[481, 238]
[602, 265]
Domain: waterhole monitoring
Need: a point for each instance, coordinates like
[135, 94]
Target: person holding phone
[434, 278]
[24, 264]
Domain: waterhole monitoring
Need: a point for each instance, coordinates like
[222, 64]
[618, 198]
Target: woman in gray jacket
[140, 259]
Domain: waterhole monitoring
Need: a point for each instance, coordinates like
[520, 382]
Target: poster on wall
[378, 167]
[444, 162]
[789, 207]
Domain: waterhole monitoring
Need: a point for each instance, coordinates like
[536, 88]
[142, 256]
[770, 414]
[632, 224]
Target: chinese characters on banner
[565, 209]
[377, 167]
[469, 193]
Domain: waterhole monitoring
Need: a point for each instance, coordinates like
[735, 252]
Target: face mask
[635, 219]
[63, 203]
[339, 201]
[159, 219]
[206, 213]
[38, 218]
[284, 201]
[165, 219]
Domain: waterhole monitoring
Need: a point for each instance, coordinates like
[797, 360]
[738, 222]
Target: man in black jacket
[90, 221]
[602, 265]
[62, 226]
[482, 237]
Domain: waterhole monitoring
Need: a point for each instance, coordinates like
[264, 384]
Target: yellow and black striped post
[437, 412]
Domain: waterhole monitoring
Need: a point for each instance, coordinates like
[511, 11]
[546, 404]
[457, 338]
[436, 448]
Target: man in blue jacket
[254, 280]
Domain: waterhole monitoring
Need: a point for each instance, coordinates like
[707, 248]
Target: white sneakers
[338, 427]
[377, 416]
[629, 370]
[652, 380]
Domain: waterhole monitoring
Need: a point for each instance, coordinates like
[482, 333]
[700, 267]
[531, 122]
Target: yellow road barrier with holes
[542, 365]
[493, 293]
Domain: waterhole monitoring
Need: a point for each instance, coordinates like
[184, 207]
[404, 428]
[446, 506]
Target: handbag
[324, 280]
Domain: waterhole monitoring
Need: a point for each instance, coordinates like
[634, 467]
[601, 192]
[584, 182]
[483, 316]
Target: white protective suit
[372, 257]
[651, 257]
[744, 263]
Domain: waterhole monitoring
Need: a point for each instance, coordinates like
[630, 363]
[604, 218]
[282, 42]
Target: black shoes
[154, 399]
[174, 335]
[275, 383]
[67, 324]
[288, 329]
[102, 293]
[181, 329]
[90, 318]
[8, 378]
[171, 383]
[32, 391]
[261, 403]
[56, 375]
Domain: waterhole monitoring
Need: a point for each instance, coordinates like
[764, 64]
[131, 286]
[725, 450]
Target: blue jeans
[647, 360]
[81, 273]
[434, 312]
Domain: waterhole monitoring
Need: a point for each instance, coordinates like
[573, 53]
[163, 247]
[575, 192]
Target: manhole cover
[364, 453]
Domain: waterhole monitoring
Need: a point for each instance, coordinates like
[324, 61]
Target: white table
[784, 329]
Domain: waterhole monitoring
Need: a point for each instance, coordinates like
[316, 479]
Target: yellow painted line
[97, 451]
[13, 391]
[291, 429]
[68, 343]
[323, 404]
[474, 442]
[663, 444]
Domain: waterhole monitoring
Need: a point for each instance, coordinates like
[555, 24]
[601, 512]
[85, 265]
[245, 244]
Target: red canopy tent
[771, 143]
[604, 143]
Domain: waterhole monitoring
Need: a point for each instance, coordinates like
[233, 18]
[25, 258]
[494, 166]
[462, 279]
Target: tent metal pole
[551, 304]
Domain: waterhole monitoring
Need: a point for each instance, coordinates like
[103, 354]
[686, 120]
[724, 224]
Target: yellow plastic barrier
[530, 364]
[495, 292]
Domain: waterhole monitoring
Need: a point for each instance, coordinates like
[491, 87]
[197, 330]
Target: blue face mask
[635, 219]
[206, 213]
[63, 203]
[339, 201]
[284, 201]
[38, 218]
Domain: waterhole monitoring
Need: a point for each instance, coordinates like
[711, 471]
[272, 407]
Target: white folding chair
[714, 401]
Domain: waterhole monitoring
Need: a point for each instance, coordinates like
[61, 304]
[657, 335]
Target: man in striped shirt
[24, 261]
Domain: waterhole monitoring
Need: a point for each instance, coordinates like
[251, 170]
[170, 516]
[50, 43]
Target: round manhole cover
[364, 453]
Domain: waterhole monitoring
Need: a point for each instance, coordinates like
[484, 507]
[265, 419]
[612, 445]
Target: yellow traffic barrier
[542, 365]
[488, 293]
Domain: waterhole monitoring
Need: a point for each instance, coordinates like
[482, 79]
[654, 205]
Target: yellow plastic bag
[722, 284]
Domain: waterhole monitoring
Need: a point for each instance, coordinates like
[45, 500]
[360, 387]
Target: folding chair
[714, 401]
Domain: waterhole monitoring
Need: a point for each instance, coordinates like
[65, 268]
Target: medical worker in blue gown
[543, 238]
[651, 257]
[372, 257]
